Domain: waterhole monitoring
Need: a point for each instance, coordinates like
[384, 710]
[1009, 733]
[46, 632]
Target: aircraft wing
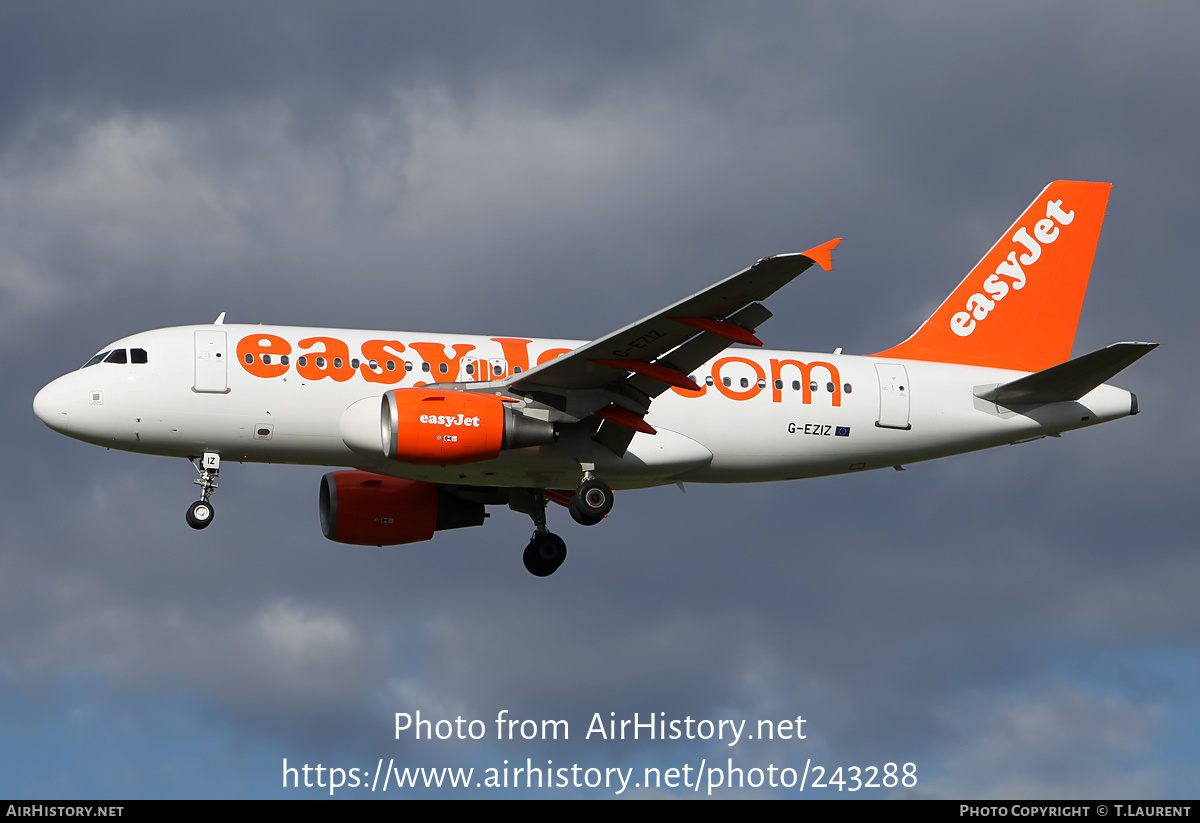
[616, 377]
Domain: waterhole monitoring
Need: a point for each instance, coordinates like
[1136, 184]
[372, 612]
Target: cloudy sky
[1017, 623]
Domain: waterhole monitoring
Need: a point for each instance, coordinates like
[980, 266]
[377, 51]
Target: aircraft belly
[664, 454]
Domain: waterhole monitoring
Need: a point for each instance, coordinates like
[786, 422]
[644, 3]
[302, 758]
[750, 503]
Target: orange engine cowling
[375, 510]
[437, 427]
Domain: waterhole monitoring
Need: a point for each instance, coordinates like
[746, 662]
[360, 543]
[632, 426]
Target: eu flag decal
[842, 431]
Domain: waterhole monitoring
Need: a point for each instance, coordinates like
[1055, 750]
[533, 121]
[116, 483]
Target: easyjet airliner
[437, 427]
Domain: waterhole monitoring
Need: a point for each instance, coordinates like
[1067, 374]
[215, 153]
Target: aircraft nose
[50, 406]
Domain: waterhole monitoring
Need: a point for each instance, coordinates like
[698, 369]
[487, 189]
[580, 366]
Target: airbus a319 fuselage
[439, 426]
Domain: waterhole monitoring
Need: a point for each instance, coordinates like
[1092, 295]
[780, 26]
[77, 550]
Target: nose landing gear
[200, 513]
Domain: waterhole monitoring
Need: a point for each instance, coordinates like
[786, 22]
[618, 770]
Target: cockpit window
[119, 356]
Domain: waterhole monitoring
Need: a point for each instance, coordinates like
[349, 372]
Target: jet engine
[436, 427]
[368, 509]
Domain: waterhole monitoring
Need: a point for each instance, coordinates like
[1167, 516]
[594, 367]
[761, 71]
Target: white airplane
[439, 426]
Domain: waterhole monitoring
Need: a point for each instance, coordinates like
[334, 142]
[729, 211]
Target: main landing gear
[200, 513]
[546, 551]
[544, 554]
[592, 500]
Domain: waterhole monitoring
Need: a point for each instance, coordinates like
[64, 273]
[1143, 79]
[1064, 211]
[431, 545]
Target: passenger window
[496, 370]
[391, 365]
[727, 382]
[249, 358]
[779, 384]
[117, 356]
[470, 368]
[137, 356]
[795, 385]
[266, 358]
[708, 381]
[443, 368]
[425, 367]
[812, 386]
[407, 366]
[846, 388]
[283, 359]
[829, 387]
[302, 360]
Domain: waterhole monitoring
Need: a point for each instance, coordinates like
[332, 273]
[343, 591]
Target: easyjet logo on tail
[1019, 305]
[1010, 271]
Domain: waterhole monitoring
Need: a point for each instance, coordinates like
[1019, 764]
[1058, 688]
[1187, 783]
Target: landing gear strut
[200, 513]
[546, 551]
[592, 500]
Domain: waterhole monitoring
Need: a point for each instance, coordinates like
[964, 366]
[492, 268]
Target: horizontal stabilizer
[1070, 380]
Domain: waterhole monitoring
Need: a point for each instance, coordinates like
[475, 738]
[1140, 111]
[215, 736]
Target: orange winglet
[655, 372]
[626, 418]
[721, 328]
[822, 255]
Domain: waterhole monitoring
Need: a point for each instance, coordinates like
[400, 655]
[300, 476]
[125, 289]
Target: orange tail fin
[1019, 306]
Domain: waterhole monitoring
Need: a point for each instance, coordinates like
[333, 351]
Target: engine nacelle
[369, 509]
[436, 427]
